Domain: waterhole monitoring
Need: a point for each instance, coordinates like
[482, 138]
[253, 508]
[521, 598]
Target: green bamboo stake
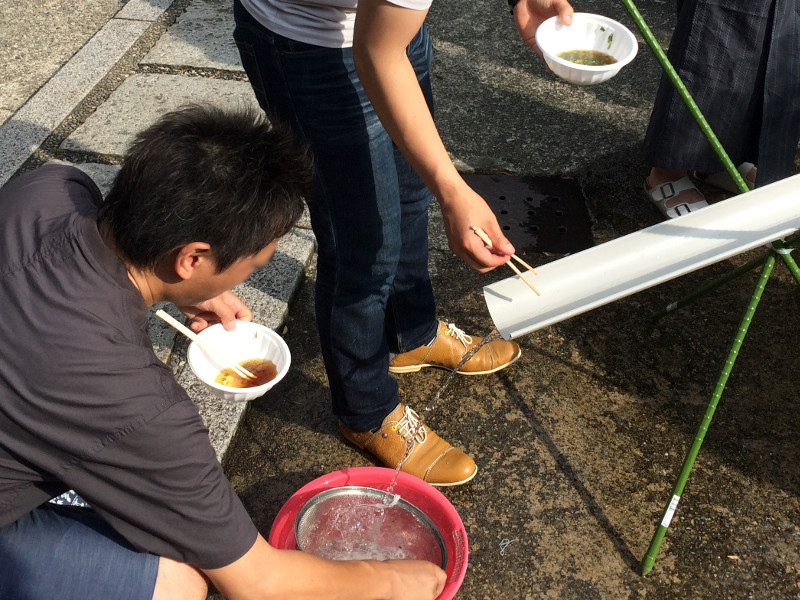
[709, 287]
[779, 249]
[791, 264]
[785, 253]
[685, 95]
[785, 248]
[655, 544]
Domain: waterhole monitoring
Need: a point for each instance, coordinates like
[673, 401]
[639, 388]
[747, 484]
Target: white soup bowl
[249, 340]
[587, 32]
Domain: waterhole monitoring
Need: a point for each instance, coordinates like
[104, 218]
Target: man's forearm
[266, 573]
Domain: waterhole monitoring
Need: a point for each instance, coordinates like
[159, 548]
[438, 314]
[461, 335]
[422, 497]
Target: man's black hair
[232, 179]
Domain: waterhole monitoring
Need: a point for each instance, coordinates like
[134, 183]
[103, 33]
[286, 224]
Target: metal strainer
[357, 522]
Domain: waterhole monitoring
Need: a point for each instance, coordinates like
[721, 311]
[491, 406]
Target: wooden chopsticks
[485, 238]
[215, 353]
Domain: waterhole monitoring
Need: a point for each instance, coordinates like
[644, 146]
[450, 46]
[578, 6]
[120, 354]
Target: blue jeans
[369, 213]
[71, 553]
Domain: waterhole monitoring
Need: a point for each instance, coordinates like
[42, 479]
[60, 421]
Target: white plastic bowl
[248, 340]
[587, 32]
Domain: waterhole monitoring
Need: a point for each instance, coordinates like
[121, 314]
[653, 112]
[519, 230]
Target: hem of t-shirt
[306, 30]
[412, 4]
[225, 562]
[307, 34]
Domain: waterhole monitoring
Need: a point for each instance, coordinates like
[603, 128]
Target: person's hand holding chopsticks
[226, 308]
[486, 240]
[461, 211]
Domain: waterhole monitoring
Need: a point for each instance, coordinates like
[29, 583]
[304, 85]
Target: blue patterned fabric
[70, 498]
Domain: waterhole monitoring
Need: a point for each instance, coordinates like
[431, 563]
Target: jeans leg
[71, 553]
[355, 210]
[411, 310]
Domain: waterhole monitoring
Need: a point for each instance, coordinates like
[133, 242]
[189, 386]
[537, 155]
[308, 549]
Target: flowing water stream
[381, 529]
[494, 335]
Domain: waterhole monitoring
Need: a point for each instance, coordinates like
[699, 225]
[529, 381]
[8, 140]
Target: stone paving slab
[144, 10]
[141, 99]
[21, 135]
[38, 38]
[201, 37]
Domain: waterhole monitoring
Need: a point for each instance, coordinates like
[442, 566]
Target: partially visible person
[353, 79]
[200, 202]
[740, 62]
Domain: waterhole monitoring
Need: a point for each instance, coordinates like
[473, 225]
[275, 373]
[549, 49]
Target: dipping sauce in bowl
[247, 342]
[264, 370]
[592, 58]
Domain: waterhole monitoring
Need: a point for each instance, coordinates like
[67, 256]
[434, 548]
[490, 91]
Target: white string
[505, 543]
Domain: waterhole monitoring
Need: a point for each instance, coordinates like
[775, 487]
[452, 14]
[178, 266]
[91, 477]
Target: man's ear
[191, 257]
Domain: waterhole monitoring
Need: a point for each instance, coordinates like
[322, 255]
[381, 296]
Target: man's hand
[463, 211]
[428, 579]
[529, 14]
[225, 308]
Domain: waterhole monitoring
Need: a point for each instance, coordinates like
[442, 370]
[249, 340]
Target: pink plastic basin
[419, 493]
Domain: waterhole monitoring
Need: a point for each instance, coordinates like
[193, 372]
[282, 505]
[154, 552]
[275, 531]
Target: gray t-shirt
[85, 404]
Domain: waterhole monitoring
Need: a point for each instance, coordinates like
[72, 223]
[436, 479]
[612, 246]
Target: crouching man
[200, 202]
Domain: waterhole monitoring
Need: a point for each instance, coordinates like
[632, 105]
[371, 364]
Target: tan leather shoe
[431, 458]
[447, 349]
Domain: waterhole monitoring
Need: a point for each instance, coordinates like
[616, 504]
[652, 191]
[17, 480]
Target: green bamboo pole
[769, 262]
[709, 287]
[685, 95]
[785, 248]
[661, 530]
[785, 254]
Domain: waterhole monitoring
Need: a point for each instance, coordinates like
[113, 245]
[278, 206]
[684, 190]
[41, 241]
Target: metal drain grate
[538, 214]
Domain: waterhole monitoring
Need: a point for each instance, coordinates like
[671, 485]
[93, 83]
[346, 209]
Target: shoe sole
[455, 483]
[419, 367]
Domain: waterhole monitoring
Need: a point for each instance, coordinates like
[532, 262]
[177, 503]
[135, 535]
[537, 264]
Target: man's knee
[179, 581]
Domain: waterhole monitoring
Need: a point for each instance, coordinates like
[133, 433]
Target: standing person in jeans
[740, 60]
[378, 159]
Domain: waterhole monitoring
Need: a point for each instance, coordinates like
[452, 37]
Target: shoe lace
[459, 334]
[410, 422]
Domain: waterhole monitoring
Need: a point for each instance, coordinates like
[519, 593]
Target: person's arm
[382, 33]
[226, 308]
[529, 14]
[266, 573]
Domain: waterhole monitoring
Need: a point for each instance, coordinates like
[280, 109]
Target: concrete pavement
[578, 442]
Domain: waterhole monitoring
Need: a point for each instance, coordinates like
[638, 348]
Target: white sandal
[660, 194]
[723, 180]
